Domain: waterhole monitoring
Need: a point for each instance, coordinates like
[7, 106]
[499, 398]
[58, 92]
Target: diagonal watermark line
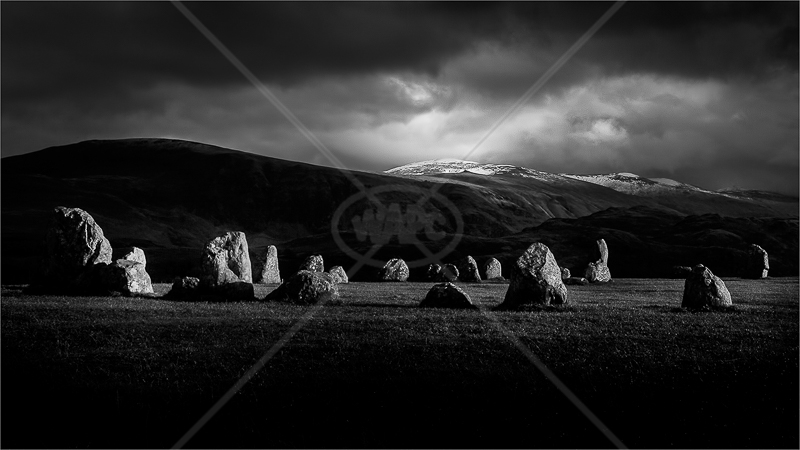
[525, 350]
[248, 375]
[268, 95]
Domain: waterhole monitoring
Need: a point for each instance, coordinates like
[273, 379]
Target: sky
[704, 93]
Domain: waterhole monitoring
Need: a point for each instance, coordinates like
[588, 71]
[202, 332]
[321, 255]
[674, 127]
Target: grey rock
[432, 274]
[468, 270]
[492, 269]
[313, 263]
[338, 275]
[603, 248]
[129, 277]
[704, 290]
[565, 273]
[757, 265]
[535, 279]
[184, 288]
[135, 254]
[305, 287]
[74, 242]
[394, 270]
[270, 273]
[447, 295]
[597, 272]
[226, 259]
[449, 273]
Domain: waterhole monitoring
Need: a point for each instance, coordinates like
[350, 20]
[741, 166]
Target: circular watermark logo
[410, 215]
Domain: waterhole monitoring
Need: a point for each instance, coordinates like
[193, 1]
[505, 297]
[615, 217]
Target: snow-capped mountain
[624, 182]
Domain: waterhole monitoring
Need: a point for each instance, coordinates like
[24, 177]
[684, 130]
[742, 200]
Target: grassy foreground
[376, 371]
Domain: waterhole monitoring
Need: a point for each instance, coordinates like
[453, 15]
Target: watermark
[407, 215]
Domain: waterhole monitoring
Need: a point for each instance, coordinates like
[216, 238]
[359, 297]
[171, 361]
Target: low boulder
[448, 273]
[129, 277]
[597, 272]
[394, 270]
[432, 274]
[225, 259]
[447, 295]
[74, 243]
[535, 280]
[468, 270]
[270, 273]
[704, 290]
[757, 265]
[338, 275]
[575, 281]
[681, 271]
[313, 263]
[565, 273]
[492, 269]
[184, 288]
[304, 288]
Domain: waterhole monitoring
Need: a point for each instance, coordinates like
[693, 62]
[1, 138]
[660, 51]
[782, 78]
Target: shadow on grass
[732, 309]
[531, 307]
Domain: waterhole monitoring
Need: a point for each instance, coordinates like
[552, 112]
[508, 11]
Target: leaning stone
[535, 279]
[270, 273]
[74, 243]
[597, 272]
[447, 295]
[565, 273]
[602, 247]
[394, 270]
[704, 290]
[492, 269]
[449, 273]
[338, 275]
[468, 270]
[305, 287]
[757, 265]
[226, 259]
[313, 263]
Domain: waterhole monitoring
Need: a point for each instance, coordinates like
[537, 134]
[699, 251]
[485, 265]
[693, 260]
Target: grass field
[374, 370]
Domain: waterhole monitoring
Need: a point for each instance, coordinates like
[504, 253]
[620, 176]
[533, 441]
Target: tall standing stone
[535, 279]
[598, 271]
[270, 273]
[313, 263]
[602, 247]
[703, 289]
[225, 259]
[492, 269]
[468, 270]
[74, 243]
[757, 265]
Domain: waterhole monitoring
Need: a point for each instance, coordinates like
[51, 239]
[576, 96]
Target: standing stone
[270, 274]
[449, 273]
[535, 279]
[313, 263]
[468, 270]
[597, 272]
[757, 265]
[338, 275]
[135, 254]
[304, 288]
[433, 272]
[74, 243]
[129, 277]
[447, 295]
[565, 273]
[704, 290]
[492, 269]
[394, 270]
[603, 248]
[225, 260]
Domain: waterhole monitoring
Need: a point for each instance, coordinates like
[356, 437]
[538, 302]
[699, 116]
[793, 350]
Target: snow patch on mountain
[440, 166]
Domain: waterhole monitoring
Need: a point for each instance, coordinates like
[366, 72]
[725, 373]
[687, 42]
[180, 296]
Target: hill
[169, 197]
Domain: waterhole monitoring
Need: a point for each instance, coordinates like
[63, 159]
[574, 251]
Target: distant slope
[170, 197]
